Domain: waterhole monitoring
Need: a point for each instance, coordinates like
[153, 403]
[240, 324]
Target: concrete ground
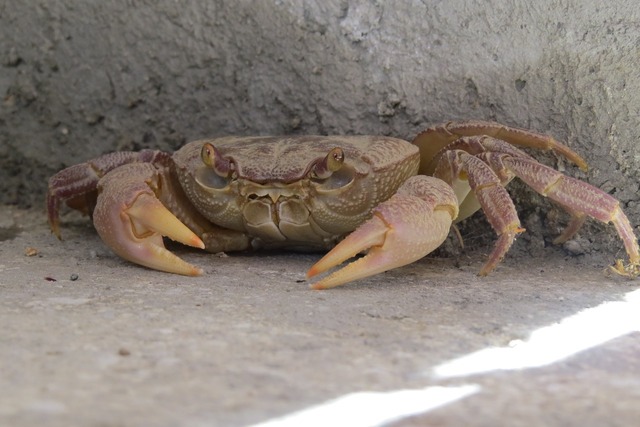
[248, 343]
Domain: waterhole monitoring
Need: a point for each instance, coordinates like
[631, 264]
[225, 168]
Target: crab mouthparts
[273, 191]
[277, 216]
[273, 195]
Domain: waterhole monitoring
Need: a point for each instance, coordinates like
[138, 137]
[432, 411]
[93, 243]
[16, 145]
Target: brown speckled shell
[287, 159]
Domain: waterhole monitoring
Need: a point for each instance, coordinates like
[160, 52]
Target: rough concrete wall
[83, 78]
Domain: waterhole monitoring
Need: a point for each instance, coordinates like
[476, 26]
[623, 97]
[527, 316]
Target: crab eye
[331, 172]
[217, 168]
[330, 164]
[208, 154]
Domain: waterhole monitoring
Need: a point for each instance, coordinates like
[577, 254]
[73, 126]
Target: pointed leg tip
[631, 270]
[55, 230]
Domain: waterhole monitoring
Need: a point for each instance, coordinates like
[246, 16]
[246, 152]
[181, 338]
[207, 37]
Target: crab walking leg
[435, 138]
[580, 198]
[492, 151]
[405, 228]
[77, 184]
[131, 220]
[457, 165]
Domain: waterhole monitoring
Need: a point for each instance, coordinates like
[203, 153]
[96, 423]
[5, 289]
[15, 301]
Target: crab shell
[270, 190]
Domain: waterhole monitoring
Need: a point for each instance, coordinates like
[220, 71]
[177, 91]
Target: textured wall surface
[83, 78]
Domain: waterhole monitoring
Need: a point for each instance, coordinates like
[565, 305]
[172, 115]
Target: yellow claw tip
[196, 242]
[321, 285]
[313, 271]
[197, 272]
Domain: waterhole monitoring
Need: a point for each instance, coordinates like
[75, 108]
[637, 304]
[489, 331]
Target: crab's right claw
[402, 230]
[132, 224]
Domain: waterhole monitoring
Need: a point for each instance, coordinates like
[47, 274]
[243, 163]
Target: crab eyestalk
[330, 164]
[212, 158]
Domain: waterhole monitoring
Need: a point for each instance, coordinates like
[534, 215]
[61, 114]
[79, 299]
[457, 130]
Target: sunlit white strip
[584, 330]
[369, 409]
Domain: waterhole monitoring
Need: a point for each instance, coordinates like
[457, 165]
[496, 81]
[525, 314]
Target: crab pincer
[405, 228]
[132, 221]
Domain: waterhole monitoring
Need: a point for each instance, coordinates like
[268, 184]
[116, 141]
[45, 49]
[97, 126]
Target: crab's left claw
[132, 221]
[402, 230]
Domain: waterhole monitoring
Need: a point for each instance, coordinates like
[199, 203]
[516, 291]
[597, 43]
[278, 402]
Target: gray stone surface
[83, 78]
[122, 345]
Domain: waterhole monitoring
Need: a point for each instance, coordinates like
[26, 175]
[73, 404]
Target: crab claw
[132, 224]
[370, 235]
[402, 230]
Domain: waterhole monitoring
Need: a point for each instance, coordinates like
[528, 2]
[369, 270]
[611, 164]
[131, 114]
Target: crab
[393, 200]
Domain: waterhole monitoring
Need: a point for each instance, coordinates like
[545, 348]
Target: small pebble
[74, 277]
[31, 251]
[574, 247]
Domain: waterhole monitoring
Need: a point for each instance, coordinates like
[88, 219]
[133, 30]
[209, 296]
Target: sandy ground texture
[90, 340]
